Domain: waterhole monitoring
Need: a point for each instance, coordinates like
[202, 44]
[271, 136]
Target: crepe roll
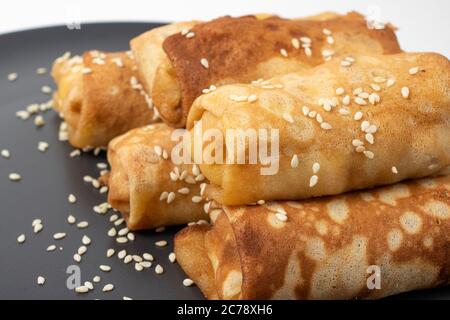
[99, 97]
[147, 187]
[345, 125]
[238, 50]
[361, 245]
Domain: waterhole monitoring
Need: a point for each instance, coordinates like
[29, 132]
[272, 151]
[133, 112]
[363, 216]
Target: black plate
[48, 178]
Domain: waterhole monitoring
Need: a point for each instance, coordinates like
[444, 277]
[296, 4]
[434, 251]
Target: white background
[424, 25]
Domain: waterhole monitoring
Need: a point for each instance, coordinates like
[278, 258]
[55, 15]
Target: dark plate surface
[48, 178]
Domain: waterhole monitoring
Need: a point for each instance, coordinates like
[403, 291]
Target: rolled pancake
[328, 248]
[239, 50]
[143, 175]
[341, 128]
[99, 97]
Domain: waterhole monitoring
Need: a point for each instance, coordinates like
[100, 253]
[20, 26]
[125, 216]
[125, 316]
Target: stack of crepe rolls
[376, 121]
[147, 187]
[366, 244]
[99, 97]
[239, 50]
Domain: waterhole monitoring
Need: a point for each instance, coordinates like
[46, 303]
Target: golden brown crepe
[143, 177]
[99, 97]
[326, 246]
[396, 125]
[245, 49]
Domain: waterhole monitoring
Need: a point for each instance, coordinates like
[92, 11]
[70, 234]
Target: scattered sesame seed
[369, 138]
[126, 298]
[344, 111]
[123, 231]
[171, 197]
[86, 240]
[77, 257]
[394, 170]
[295, 43]
[148, 256]
[360, 101]
[340, 91]
[294, 161]
[283, 52]
[122, 254]
[108, 287]
[146, 264]
[21, 238]
[330, 40]
[346, 100]
[122, 240]
[82, 250]
[204, 62]
[105, 268]
[137, 258]
[196, 199]
[288, 117]
[326, 31]
[5, 153]
[357, 143]
[308, 51]
[37, 228]
[360, 149]
[82, 224]
[161, 243]
[89, 285]
[130, 236]
[159, 269]
[127, 259]
[375, 87]
[41, 71]
[46, 89]
[118, 222]
[43, 146]
[405, 92]
[71, 219]
[97, 279]
[379, 79]
[306, 40]
[51, 247]
[138, 267]
[183, 190]
[369, 154]
[281, 216]
[252, 98]
[190, 35]
[86, 70]
[71, 198]
[313, 181]
[413, 70]
[81, 289]
[358, 115]
[13, 76]
[74, 153]
[172, 257]
[390, 82]
[374, 98]
[188, 282]
[59, 235]
[325, 126]
[346, 63]
[316, 167]
[113, 218]
[14, 177]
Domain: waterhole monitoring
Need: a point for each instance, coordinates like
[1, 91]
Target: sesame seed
[369, 138]
[379, 79]
[110, 253]
[103, 189]
[295, 43]
[330, 40]
[108, 287]
[325, 126]
[13, 76]
[346, 63]
[319, 118]
[326, 31]
[394, 170]
[148, 256]
[113, 218]
[360, 101]
[308, 51]
[363, 95]
[145, 264]
[81, 289]
[40, 280]
[22, 114]
[184, 31]
[112, 232]
[159, 269]
[46, 89]
[105, 268]
[170, 197]
[305, 110]
[306, 40]
[405, 92]
[288, 117]
[41, 71]
[294, 161]
[51, 248]
[86, 70]
[196, 199]
[413, 70]
[82, 224]
[158, 150]
[204, 62]
[97, 279]
[316, 167]
[375, 87]
[339, 91]
[313, 181]
[128, 259]
[5, 153]
[183, 190]
[172, 257]
[21, 238]
[77, 257]
[39, 121]
[372, 129]
[358, 115]
[119, 222]
[86, 240]
[137, 258]
[190, 35]
[344, 111]
[390, 82]
[188, 282]
[281, 216]
[369, 154]
[130, 236]
[122, 254]
[252, 98]
[283, 52]
[42, 146]
[161, 243]
[327, 53]
[14, 177]
[37, 228]
[82, 250]
[360, 149]
[59, 235]
[122, 240]
[346, 100]
[71, 198]
[138, 267]
[374, 98]
[89, 285]
[74, 153]
[365, 125]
